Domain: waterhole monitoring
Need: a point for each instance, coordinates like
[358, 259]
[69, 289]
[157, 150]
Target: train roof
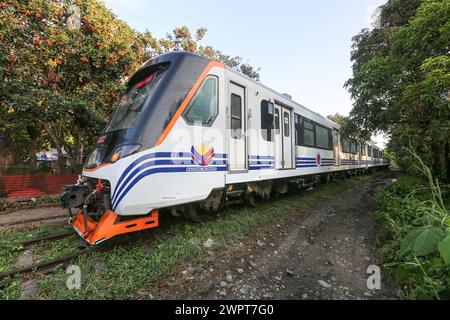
[174, 56]
[284, 99]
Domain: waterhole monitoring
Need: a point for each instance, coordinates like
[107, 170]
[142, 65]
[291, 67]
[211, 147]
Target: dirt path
[50, 215]
[321, 252]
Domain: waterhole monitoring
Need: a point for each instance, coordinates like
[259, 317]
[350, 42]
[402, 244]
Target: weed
[141, 259]
[414, 230]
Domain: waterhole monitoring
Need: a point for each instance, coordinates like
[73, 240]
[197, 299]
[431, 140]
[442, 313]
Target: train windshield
[136, 98]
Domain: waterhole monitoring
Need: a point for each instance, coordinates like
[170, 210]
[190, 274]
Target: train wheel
[175, 212]
[325, 178]
[250, 200]
[190, 213]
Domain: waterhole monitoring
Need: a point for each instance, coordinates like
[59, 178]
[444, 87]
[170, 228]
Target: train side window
[369, 151]
[353, 147]
[204, 107]
[267, 115]
[277, 121]
[308, 134]
[297, 126]
[363, 149]
[346, 145]
[287, 127]
[323, 137]
[236, 116]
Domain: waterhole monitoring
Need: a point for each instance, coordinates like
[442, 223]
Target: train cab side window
[363, 149]
[369, 151]
[203, 109]
[287, 126]
[236, 116]
[267, 119]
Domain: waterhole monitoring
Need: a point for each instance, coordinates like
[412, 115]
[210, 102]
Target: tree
[401, 81]
[338, 118]
[182, 39]
[64, 64]
[58, 81]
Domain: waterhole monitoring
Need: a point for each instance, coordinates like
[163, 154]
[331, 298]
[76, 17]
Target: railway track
[47, 265]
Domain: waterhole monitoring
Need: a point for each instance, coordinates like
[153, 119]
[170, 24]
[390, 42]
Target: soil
[320, 252]
[32, 217]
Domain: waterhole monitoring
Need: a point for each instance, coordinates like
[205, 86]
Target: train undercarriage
[90, 213]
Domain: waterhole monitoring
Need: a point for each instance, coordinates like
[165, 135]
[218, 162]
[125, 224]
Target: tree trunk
[33, 151]
[58, 145]
[33, 133]
[2, 154]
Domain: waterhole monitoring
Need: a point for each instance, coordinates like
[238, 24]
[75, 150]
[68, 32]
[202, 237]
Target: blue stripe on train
[261, 162]
[220, 158]
[261, 167]
[161, 170]
[260, 157]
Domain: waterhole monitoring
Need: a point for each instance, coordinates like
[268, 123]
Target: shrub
[415, 235]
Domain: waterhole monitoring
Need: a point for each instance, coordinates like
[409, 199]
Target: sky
[302, 46]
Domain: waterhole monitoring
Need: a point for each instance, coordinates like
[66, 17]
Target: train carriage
[192, 134]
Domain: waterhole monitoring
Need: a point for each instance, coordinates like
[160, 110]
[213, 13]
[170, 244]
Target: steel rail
[44, 265]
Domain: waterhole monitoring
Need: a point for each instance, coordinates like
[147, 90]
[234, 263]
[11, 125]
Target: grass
[414, 221]
[138, 262]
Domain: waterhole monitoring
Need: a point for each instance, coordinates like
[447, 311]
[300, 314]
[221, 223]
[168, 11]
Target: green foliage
[421, 241]
[401, 82]
[415, 235]
[338, 118]
[60, 84]
[444, 249]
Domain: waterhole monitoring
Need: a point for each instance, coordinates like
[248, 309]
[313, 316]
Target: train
[190, 135]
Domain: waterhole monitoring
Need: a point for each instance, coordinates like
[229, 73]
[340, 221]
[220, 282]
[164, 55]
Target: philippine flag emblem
[318, 159]
[202, 155]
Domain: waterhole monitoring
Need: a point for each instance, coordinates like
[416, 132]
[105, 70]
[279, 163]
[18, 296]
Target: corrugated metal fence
[34, 185]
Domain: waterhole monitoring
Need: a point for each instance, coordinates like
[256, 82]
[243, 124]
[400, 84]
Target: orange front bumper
[108, 226]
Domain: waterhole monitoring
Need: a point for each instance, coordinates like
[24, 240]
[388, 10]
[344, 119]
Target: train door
[278, 139]
[283, 138]
[237, 111]
[336, 150]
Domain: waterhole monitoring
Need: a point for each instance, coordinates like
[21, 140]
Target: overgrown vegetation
[138, 262]
[415, 233]
[401, 82]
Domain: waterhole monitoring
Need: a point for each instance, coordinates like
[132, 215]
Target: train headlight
[124, 151]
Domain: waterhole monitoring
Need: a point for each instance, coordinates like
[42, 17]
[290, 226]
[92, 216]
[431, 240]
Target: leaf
[421, 241]
[404, 273]
[447, 222]
[444, 249]
[444, 294]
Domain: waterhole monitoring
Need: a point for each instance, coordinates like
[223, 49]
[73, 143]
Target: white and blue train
[191, 134]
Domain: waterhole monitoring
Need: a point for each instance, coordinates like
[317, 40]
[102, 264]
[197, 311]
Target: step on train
[190, 135]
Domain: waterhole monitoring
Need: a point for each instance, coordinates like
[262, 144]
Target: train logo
[202, 155]
[318, 159]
